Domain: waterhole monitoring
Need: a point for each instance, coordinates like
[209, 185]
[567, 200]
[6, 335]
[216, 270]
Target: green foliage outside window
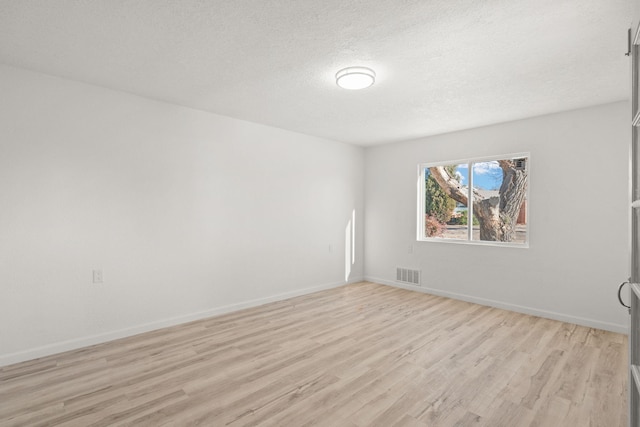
[438, 204]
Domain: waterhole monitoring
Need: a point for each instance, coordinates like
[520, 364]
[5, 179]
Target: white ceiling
[442, 65]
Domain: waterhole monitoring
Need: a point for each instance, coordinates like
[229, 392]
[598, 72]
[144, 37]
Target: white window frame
[421, 235]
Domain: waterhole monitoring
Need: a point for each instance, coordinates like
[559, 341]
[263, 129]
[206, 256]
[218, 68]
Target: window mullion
[470, 204]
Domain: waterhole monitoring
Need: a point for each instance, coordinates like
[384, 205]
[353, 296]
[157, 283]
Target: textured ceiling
[442, 65]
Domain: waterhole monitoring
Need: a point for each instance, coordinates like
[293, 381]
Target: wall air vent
[406, 275]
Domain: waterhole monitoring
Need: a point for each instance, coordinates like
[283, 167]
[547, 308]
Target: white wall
[578, 217]
[187, 213]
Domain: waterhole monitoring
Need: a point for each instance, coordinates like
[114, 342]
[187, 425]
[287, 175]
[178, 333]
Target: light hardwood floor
[358, 355]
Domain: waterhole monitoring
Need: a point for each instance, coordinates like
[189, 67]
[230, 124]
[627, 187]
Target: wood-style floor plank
[355, 356]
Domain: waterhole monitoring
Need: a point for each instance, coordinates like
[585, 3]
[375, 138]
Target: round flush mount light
[354, 78]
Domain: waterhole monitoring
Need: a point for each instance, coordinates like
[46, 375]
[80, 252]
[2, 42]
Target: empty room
[320, 213]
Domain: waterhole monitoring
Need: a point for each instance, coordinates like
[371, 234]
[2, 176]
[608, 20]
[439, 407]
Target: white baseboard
[59, 347]
[591, 323]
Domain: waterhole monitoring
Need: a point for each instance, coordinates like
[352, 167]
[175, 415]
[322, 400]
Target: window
[481, 201]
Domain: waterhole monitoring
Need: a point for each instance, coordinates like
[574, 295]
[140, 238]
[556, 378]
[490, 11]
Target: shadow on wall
[349, 245]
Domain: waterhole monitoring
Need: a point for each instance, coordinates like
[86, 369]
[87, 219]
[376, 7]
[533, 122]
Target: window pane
[445, 217]
[500, 190]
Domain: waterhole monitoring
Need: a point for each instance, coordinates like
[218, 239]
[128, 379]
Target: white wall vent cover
[406, 275]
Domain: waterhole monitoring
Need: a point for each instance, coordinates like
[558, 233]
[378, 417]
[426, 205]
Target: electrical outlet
[97, 276]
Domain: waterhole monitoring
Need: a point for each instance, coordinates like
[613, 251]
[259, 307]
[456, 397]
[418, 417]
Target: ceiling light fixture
[354, 78]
